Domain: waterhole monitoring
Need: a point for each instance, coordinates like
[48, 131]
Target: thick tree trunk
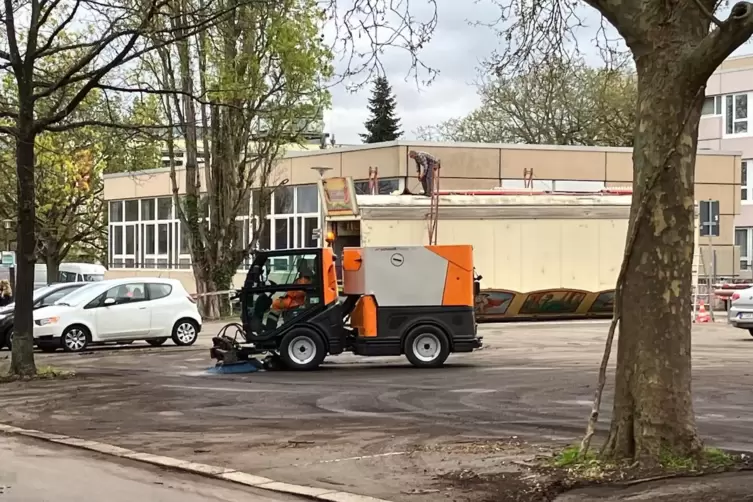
[653, 409]
[52, 259]
[22, 359]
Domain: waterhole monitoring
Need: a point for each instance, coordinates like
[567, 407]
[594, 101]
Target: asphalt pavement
[34, 471]
[360, 421]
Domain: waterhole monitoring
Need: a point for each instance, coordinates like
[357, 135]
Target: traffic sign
[8, 259]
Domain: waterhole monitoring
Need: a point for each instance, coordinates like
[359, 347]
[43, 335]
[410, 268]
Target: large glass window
[736, 114]
[712, 105]
[744, 240]
[283, 200]
[147, 233]
[131, 210]
[384, 186]
[116, 210]
[307, 199]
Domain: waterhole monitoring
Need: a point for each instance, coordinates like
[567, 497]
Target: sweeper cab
[415, 300]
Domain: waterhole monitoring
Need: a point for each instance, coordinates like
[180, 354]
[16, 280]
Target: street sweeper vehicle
[415, 300]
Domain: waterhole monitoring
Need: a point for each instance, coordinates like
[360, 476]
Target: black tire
[302, 350]
[156, 342]
[426, 347]
[48, 347]
[185, 332]
[75, 338]
[750, 330]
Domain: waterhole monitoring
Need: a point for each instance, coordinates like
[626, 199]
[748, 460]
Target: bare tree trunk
[22, 359]
[653, 409]
[52, 259]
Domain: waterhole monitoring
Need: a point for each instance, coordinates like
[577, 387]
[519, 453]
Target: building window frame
[746, 181]
[736, 117]
[744, 240]
[713, 106]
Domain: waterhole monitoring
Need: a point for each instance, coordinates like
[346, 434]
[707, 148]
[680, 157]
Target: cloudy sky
[456, 50]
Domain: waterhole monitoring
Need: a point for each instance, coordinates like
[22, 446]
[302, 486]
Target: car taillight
[735, 296]
[191, 299]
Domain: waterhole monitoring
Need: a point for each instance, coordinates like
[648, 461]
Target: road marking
[228, 389]
[362, 457]
[474, 391]
[519, 368]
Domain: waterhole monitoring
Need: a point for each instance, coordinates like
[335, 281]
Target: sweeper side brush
[235, 355]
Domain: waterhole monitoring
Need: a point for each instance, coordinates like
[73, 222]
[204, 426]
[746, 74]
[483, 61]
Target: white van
[81, 272]
[70, 272]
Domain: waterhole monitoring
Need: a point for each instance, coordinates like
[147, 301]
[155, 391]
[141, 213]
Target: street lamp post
[322, 212]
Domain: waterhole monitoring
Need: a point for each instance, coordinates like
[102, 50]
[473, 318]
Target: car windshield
[84, 293]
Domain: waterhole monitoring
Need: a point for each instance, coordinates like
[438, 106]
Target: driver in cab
[294, 299]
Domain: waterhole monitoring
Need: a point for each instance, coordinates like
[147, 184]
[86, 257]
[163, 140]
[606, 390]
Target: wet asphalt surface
[358, 421]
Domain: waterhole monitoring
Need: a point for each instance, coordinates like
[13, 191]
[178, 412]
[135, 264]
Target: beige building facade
[146, 238]
[727, 124]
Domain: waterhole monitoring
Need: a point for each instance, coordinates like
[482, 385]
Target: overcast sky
[455, 51]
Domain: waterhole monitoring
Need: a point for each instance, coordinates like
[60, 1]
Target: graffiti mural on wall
[502, 304]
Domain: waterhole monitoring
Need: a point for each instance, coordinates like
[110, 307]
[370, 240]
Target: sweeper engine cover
[411, 276]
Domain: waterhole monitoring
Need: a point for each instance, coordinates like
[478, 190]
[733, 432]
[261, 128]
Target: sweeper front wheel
[302, 349]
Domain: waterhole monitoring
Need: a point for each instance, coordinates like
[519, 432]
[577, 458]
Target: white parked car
[119, 310]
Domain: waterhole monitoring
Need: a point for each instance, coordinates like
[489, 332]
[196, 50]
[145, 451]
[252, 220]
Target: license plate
[746, 316]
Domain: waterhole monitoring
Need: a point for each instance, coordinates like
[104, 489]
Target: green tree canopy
[560, 102]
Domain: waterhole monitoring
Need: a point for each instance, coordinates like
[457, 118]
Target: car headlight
[47, 321]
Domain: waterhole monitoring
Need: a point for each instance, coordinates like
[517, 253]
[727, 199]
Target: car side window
[157, 291]
[127, 293]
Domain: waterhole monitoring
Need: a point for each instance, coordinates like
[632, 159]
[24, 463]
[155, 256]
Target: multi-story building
[727, 124]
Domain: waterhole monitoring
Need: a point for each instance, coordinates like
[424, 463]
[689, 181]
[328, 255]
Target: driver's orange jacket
[291, 299]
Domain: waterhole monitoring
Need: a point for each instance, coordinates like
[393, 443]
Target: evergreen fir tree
[383, 125]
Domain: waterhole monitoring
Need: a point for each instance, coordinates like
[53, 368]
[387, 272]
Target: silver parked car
[740, 313]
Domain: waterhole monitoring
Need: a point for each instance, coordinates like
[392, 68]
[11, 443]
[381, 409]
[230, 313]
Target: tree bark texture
[653, 409]
[22, 358]
[52, 260]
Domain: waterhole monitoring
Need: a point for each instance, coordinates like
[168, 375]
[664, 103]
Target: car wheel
[302, 349]
[75, 339]
[8, 339]
[156, 342]
[48, 347]
[185, 332]
[426, 347]
[751, 332]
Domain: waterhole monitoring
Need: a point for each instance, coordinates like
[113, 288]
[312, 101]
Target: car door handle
[142, 308]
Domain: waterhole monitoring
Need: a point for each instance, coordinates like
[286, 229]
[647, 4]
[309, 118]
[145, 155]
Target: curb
[211, 471]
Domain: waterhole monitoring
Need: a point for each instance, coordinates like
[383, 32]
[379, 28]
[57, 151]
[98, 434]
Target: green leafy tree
[53, 56]
[383, 125]
[260, 75]
[561, 102]
[70, 212]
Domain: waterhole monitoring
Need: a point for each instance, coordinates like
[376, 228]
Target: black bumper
[467, 344]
